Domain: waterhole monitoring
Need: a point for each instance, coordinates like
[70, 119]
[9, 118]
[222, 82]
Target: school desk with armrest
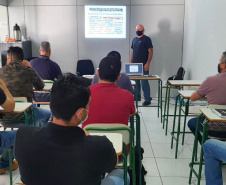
[128, 160]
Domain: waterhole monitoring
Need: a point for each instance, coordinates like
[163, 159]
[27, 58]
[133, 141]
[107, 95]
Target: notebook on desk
[134, 69]
[219, 112]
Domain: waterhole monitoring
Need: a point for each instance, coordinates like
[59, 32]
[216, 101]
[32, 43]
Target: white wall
[62, 24]
[3, 2]
[204, 37]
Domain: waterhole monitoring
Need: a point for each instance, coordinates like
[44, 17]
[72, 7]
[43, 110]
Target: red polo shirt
[109, 104]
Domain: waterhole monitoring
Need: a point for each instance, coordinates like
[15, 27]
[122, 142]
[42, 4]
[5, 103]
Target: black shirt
[2, 96]
[62, 155]
[140, 48]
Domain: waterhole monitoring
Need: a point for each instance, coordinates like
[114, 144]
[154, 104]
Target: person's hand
[146, 67]
[26, 63]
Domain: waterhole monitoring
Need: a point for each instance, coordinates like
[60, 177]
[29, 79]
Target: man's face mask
[218, 68]
[82, 121]
[139, 33]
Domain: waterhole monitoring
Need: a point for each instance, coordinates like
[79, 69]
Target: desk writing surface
[185, 82]
[155, 77]
[186, 94]
[211, 116]
[90, 77]
[47, 87]
[48, 81]
[19, 107]
[115, 138]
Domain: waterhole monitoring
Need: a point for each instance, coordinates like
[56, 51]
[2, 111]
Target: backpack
[143, 171]
[178, 76]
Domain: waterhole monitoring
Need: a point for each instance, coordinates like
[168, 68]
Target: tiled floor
[159, 161]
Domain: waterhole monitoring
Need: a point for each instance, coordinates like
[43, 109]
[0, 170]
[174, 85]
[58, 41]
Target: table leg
[174, 120]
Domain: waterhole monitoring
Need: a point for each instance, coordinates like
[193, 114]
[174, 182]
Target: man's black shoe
[145, 103]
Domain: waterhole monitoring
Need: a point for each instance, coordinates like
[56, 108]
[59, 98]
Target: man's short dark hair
[224, 57]
[69, 93]
[16, 52]
[109, 69]
[115, 54]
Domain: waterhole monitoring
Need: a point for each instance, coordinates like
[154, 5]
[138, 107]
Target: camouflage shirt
[20, 80]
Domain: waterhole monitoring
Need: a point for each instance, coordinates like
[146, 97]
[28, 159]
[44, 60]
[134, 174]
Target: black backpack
[178, 76]
[143, 171]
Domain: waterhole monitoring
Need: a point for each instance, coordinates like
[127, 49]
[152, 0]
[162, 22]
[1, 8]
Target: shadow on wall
[167, 50]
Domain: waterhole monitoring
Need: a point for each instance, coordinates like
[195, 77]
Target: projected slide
[105, 21]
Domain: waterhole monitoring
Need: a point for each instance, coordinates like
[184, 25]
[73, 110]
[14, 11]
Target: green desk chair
[20, 119]
[127, 140]
[9, 152]
[206, 129]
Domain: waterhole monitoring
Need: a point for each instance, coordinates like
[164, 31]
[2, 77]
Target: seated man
[7, 138]
[62, 147]
[214, 89]
[124, 81]
[46, 68]
[214, 155]
[110, 103]
[20, 81]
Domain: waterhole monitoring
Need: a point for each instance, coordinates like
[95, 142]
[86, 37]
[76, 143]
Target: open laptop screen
[134, 69]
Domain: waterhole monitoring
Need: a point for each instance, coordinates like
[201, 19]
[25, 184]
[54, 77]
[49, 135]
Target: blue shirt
[140, 48]
[46, 68]
[123, 83]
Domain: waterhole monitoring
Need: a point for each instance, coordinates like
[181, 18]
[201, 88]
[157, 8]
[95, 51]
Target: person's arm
[37, 81]
[9, 103]
[195, 96]
[131, 57]
[132, 106]
[150, 54]
[58, 70]
[95, 80]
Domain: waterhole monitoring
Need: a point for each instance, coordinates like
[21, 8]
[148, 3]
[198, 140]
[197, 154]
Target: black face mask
[139, 33]
[218, 68]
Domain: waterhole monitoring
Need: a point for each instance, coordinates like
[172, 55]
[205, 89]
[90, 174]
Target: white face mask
[82, 121]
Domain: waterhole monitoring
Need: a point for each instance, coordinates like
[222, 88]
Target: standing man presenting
[142, 53]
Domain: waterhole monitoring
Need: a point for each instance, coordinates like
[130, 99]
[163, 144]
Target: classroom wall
[62, 24]
[204, 37]
[3, 2]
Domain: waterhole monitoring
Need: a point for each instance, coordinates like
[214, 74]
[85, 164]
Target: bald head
[139, 27]
[140, 30]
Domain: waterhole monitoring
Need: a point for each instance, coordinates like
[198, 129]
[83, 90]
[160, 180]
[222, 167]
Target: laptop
[134, 69]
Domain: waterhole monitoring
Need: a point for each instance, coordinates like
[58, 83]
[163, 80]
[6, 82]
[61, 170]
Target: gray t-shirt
[123, 83]
[214, 88]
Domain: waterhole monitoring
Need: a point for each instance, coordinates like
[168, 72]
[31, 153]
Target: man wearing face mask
[142, 53]
[61, 153]
[215, 90]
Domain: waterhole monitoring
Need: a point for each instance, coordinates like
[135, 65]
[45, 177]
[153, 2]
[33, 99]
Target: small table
[176, 83]
[115, 138]
[211, 117]
[154, 77]
[184, 94]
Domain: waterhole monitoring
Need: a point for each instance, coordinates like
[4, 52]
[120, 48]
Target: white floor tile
[173, 167]
[151, 167]
[159, 137]
[4, 179]
[147, 150]
[153, 180]
[179, 181]
[165, 151]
